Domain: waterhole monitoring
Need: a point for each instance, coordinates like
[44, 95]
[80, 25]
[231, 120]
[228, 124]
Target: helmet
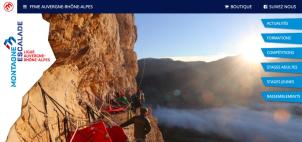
[144, 110]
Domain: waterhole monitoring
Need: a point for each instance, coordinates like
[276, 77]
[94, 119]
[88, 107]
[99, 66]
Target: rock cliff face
[94, 57]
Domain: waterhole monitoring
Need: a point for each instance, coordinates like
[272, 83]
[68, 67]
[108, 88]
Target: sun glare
[253, 56]
[251, 50]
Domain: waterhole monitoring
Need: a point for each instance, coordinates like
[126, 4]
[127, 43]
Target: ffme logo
[8, 6]
[9, 42]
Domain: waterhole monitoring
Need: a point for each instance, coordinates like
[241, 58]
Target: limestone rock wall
[95, 56]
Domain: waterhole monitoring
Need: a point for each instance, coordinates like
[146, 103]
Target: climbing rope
[40, 111]
[77, 127]
[42, 131]
[58, 105]
[69, 117]
[110, 120]
[99, 111]
[142, 75]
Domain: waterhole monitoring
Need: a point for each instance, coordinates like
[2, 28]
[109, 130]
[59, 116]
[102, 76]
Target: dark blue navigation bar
[159, 6]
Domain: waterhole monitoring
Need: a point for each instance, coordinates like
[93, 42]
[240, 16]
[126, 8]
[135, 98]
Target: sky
[200, 36]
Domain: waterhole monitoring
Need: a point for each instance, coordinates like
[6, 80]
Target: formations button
[291, 38]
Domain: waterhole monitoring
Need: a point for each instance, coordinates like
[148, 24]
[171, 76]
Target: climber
[122, 101]
[121, 98]
[128, 95]
[141, 97]
[134, 103]
[141, 123]
[137, 100]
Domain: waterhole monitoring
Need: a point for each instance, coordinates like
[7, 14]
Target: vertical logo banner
[25, 54]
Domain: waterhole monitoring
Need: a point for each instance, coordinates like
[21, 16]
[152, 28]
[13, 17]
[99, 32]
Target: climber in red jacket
[141, 123]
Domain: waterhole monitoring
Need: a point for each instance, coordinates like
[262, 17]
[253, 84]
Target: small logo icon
[265, 6]
[9, 42]
[8, 6]
[24, 6]
[226, 6]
